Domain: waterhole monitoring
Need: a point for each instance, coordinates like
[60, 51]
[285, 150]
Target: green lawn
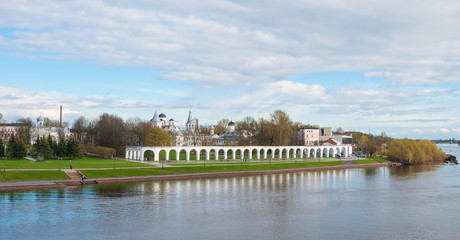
[65, 164]
[13, 176]
[363, 161]
[201, 169]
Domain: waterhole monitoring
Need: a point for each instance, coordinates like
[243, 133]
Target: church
[42, 131]
[190, 136]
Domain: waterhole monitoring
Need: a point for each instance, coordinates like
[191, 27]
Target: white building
[326, 134]
[42, 131]
[308, 136]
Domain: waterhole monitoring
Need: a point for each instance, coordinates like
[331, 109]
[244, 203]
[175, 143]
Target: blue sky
[373, 66]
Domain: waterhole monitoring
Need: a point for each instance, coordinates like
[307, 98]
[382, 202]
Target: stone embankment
[31, 185]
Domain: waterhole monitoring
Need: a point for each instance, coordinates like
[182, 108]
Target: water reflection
[334, 204]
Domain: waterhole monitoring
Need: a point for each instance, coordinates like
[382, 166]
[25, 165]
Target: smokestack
[60, 118]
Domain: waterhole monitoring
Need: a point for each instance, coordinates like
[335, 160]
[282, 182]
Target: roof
[231, 123]
[155, 117]
[162, 115]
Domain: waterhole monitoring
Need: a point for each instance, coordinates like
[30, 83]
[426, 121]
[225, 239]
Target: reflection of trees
[410, 171]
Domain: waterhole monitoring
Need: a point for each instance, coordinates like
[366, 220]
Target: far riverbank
[31, 185]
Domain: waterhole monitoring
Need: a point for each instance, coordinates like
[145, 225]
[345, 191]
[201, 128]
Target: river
[418, 202]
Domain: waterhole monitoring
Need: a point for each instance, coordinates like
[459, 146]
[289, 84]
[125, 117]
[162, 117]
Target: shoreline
[50, 184]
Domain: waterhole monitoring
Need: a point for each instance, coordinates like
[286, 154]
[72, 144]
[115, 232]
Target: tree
[41, 146]
[24, 130]
[80, 128]
[110, 132]
[61, 148]
[265, 132]
[414, 152]
[2, 148]
[221, 126]
[16, 148]
[157, 137]
[283, 126]
[73, 148]
[368, 145]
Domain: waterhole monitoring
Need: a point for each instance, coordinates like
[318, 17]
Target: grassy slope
[363, 161]
[65, 164]
[12, 176]
[200, 169]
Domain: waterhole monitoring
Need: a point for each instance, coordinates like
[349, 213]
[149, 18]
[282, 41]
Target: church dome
[231, 123]
[171, 120]
[162, 115]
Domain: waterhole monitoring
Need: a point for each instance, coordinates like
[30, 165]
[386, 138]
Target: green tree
[414, 152]
[61, 148]
[157, 137]
[41, 146]
[16, 148]
[368, 145]
[2, 148]
[73, 148]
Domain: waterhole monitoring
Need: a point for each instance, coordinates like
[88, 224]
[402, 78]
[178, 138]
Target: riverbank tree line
[108, 134]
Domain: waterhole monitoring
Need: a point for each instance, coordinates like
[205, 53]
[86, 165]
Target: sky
[372, 66]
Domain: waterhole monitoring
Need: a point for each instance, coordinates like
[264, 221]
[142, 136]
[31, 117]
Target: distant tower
[211, 132]
[171, 122]
[155, 120]
[40, 121]
[190, 124]
[231, 127]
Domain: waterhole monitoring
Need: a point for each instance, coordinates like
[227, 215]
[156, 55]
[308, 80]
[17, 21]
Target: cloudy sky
[374, 66]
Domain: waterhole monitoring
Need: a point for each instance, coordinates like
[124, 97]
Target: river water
[419, 202]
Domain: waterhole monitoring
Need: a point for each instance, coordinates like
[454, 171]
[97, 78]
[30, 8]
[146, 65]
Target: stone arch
[162, 154]
[319, 152]
[230, 154]
[183, 155]
[299, 153]
[193, 154]
[148, 154]
[255, 153]
[263, 153]
[325, 152]
[238, 154]
[331, 152]
[203, 154]
[222, 154]
[277, 153]
[246, 154]
[284, 153]
[213, 154]
[343, 151]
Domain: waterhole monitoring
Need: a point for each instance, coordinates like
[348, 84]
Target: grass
[13, 176]
[65, 164]
[363, 161]
[379, 158]
[201, 169]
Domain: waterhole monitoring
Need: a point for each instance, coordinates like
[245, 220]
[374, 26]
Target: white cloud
[443, 130]
[248, 41]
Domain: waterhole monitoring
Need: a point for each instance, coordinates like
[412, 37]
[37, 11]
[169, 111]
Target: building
[190, 136]
[326, 134]
[308, 136]
[40, 130]
[8, 130]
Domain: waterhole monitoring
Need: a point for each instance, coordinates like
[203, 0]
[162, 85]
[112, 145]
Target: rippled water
[380, 203]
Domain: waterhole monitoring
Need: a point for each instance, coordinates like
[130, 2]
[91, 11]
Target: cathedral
[42, 131]
[190, 136]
